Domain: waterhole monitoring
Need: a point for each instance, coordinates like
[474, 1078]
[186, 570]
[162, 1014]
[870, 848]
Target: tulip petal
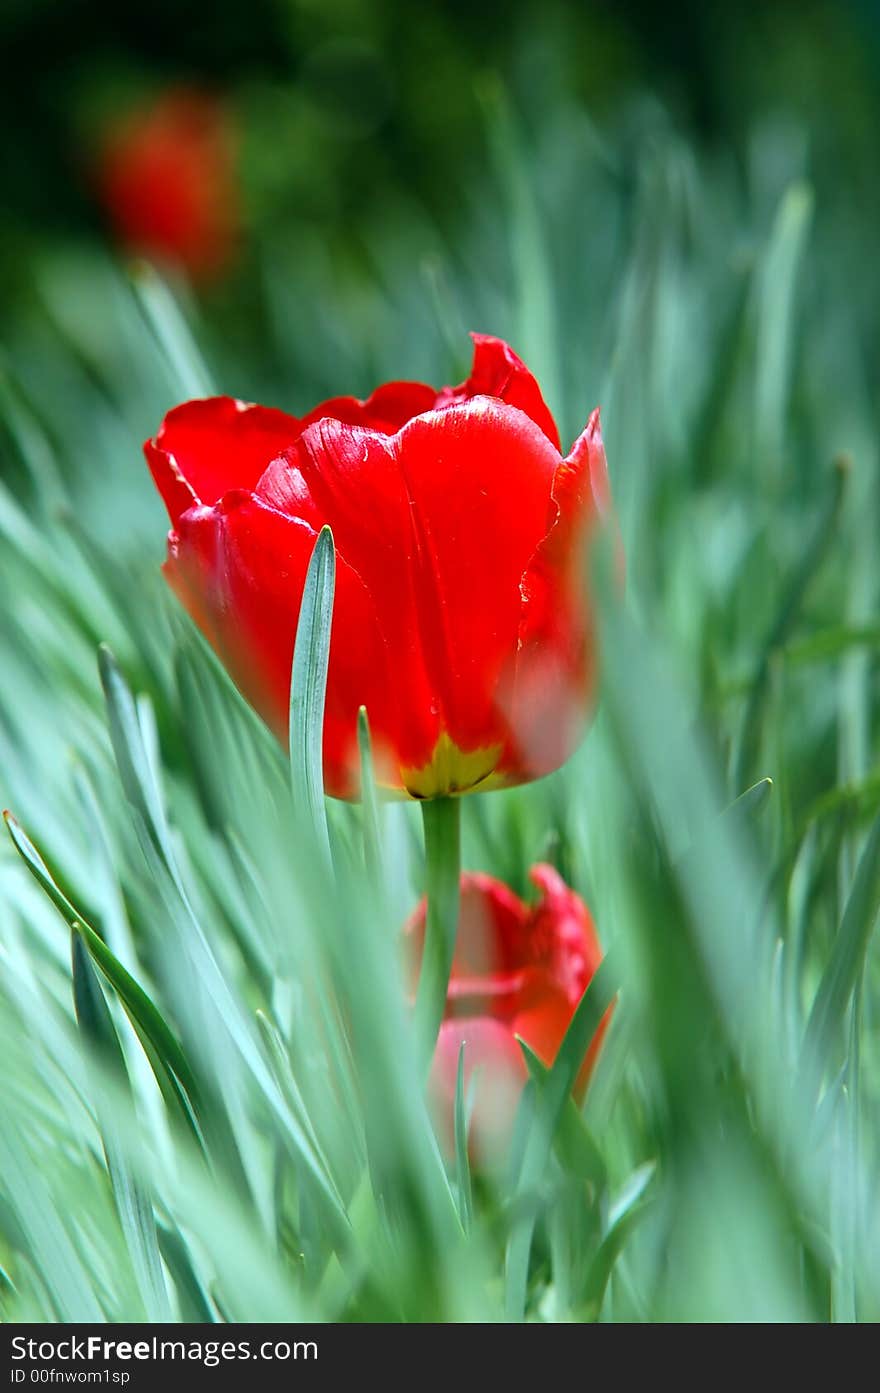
[555, 670]
[499, 372]
[439, 521]
[561, 934]
[240, 568]
[486, 969]
[205, 448]
[385, 410]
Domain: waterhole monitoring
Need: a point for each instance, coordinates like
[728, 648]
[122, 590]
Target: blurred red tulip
[519, 970]
[460, 620]
[166, 178]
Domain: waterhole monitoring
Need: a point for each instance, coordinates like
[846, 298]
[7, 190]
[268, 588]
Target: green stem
[440, 817]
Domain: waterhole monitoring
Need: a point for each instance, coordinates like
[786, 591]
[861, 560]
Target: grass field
[211, 1109]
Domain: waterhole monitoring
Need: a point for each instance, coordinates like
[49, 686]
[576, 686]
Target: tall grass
[210, 1093]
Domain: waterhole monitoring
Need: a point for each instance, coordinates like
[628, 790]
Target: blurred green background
[677, 219]
[346, 108]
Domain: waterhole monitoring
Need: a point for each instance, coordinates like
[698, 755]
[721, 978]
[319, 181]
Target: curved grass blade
[846, 962]
[133, 1202]
[195, 1306]
[624, 1216]
[186, 367]
[734, 817]
[575, 1146]
[308, 686]
[137, 760]
[170, 1064]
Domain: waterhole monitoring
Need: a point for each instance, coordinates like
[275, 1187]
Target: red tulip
[518, 970]
[459, 618]
[166, 177]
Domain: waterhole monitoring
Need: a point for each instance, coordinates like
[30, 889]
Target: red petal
[439, 521]
[167, 178]
[562, 934]
[386, 410]
[498, 372]
[240, 569]
[204, 448]
[488, 948]
[543, 1025]
[556, 665]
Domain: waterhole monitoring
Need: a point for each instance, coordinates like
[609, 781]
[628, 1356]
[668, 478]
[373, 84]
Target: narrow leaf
[550, 1105]
[169, 1063]
[624, 1216]
[847, 959]
[465, 1198]
[133, 1202]
[369, 803]
[575, 1146]
[186, 367]
[308, 686]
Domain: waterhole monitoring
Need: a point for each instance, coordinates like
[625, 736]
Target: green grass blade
[133, 1202]
[462, 1164]
[370, 804]
[308, 686]
[776, 320]
[847, 959]
[186, 367]
[164, 1051]
[550, 1106]
[195, 1307]
[575, 1146]
[623, 1218]
[127, 738]
[49, 1246]
[786, 616]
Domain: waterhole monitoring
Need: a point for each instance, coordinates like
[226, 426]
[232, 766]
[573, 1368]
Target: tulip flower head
[166, 178]
[460, 619]
[518, 971]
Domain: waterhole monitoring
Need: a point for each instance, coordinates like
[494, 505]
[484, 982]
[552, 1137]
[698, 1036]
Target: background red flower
[519, 970]
[166, 178]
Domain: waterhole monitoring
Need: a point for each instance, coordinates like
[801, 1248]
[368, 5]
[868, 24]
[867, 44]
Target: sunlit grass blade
[308, 686]
[622, 1219]
[186, 367]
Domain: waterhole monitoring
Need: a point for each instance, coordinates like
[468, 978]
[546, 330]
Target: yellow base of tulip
[451, 771]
